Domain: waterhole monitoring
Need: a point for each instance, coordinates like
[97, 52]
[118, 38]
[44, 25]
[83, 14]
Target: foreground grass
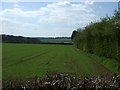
[27, 60]
[112, 64]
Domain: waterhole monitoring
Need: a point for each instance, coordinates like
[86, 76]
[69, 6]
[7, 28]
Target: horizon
[51, 19]
[33, 36]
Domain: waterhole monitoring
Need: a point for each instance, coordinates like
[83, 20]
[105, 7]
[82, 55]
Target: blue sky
[51, 19]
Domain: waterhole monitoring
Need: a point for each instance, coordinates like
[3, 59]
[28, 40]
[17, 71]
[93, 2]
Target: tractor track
[28, 58]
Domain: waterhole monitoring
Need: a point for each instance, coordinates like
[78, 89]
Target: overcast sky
[51, 19]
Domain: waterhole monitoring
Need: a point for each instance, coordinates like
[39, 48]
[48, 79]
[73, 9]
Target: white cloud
[67, 13]
[58, 17]
[5, 20]
[17, 12]
[58, 0]
[89, 2]
[16, 5]
[10, 26]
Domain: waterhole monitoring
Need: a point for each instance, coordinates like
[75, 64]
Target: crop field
[27, 60]
[57, 40]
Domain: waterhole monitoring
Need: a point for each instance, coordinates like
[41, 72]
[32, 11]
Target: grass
[112, 64]
[27, 60]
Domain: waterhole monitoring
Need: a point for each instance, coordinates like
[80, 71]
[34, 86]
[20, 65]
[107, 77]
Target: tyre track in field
[103, 70]
[51, 59]
[71, 63]
[31, 57]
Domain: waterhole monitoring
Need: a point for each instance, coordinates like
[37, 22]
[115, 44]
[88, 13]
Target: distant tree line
[101, 38]
[53, 37]
[18, 39]
[59, 43]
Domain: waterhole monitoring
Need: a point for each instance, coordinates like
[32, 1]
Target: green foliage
[101, 38]
[74, 34]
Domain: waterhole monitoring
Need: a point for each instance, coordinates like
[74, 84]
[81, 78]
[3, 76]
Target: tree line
[101, 38]
[18, 39]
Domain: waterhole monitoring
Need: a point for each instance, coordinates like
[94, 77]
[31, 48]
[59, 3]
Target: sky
[51, 19]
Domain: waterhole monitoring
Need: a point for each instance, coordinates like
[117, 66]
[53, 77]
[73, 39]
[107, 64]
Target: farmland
[57, 40]
[27, 60]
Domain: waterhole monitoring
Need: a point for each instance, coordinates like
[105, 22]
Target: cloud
[16, 5]
[67, 14]
[10, 26]
[26, 29]
[89, 2]
[5, 20]
[57, 12]
[59, 17]
[17, 12]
